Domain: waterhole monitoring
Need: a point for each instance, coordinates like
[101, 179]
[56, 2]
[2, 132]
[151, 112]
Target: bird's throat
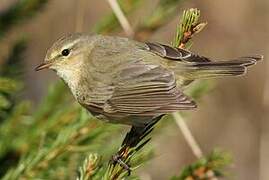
[71, 77]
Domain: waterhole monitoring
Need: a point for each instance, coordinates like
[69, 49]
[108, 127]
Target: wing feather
[151, 91]
[177, 54]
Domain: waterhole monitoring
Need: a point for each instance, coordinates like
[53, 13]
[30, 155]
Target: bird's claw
[118, 159]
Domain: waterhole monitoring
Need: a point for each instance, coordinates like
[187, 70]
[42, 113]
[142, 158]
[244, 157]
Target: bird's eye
[65, 52]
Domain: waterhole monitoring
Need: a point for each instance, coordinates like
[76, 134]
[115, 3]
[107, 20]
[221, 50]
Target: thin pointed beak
[43, 66]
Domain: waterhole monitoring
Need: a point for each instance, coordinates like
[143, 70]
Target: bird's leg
[132, 143]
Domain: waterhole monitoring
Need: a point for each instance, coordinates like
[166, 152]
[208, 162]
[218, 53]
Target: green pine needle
[189, 25]
[207, 167]
[89, 168]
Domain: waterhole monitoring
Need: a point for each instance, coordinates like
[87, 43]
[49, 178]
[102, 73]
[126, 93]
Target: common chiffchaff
[124, 81]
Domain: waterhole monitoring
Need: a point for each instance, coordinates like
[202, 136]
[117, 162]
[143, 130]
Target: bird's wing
[177, 54]
[195, 66]
[146, 90]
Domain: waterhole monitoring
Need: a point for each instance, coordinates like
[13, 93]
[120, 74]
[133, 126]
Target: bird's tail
[212, 69]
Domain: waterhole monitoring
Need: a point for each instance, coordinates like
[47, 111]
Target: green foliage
[188, 26]
[48, 139]
[77, 134]
[12, 67]
[22, 10]
[10, 79]
[8, 85]
[89, 168]
[93, 168]
[206, 168]
[10, 108]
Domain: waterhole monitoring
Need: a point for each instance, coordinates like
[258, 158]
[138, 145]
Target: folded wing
[146, 90]
[192, 66]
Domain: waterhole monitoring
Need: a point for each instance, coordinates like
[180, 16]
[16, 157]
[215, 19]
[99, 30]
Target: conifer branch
[89, 168]
[189, 26]
[209, 167]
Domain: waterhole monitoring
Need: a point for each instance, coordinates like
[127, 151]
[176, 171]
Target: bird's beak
[43, 66]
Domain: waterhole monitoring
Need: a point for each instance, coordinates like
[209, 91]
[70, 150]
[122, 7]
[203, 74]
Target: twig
[188, 135]
[121, 17]
[264, 128]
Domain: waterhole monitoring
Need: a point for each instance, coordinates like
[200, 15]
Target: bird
[124, 81]
[120, 80]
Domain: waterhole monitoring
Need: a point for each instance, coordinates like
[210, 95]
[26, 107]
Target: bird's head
[66, 53]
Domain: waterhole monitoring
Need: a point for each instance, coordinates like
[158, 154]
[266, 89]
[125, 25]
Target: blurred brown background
[234, 116]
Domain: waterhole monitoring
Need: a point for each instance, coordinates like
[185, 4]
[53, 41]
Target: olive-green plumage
[124, 81]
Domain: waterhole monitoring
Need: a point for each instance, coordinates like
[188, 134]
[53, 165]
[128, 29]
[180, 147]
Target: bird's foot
[119, 158]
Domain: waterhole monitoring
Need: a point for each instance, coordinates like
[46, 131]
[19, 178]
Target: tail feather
[211, 69]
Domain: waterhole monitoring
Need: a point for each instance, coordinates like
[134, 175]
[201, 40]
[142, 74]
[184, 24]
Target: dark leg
[133, 139]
